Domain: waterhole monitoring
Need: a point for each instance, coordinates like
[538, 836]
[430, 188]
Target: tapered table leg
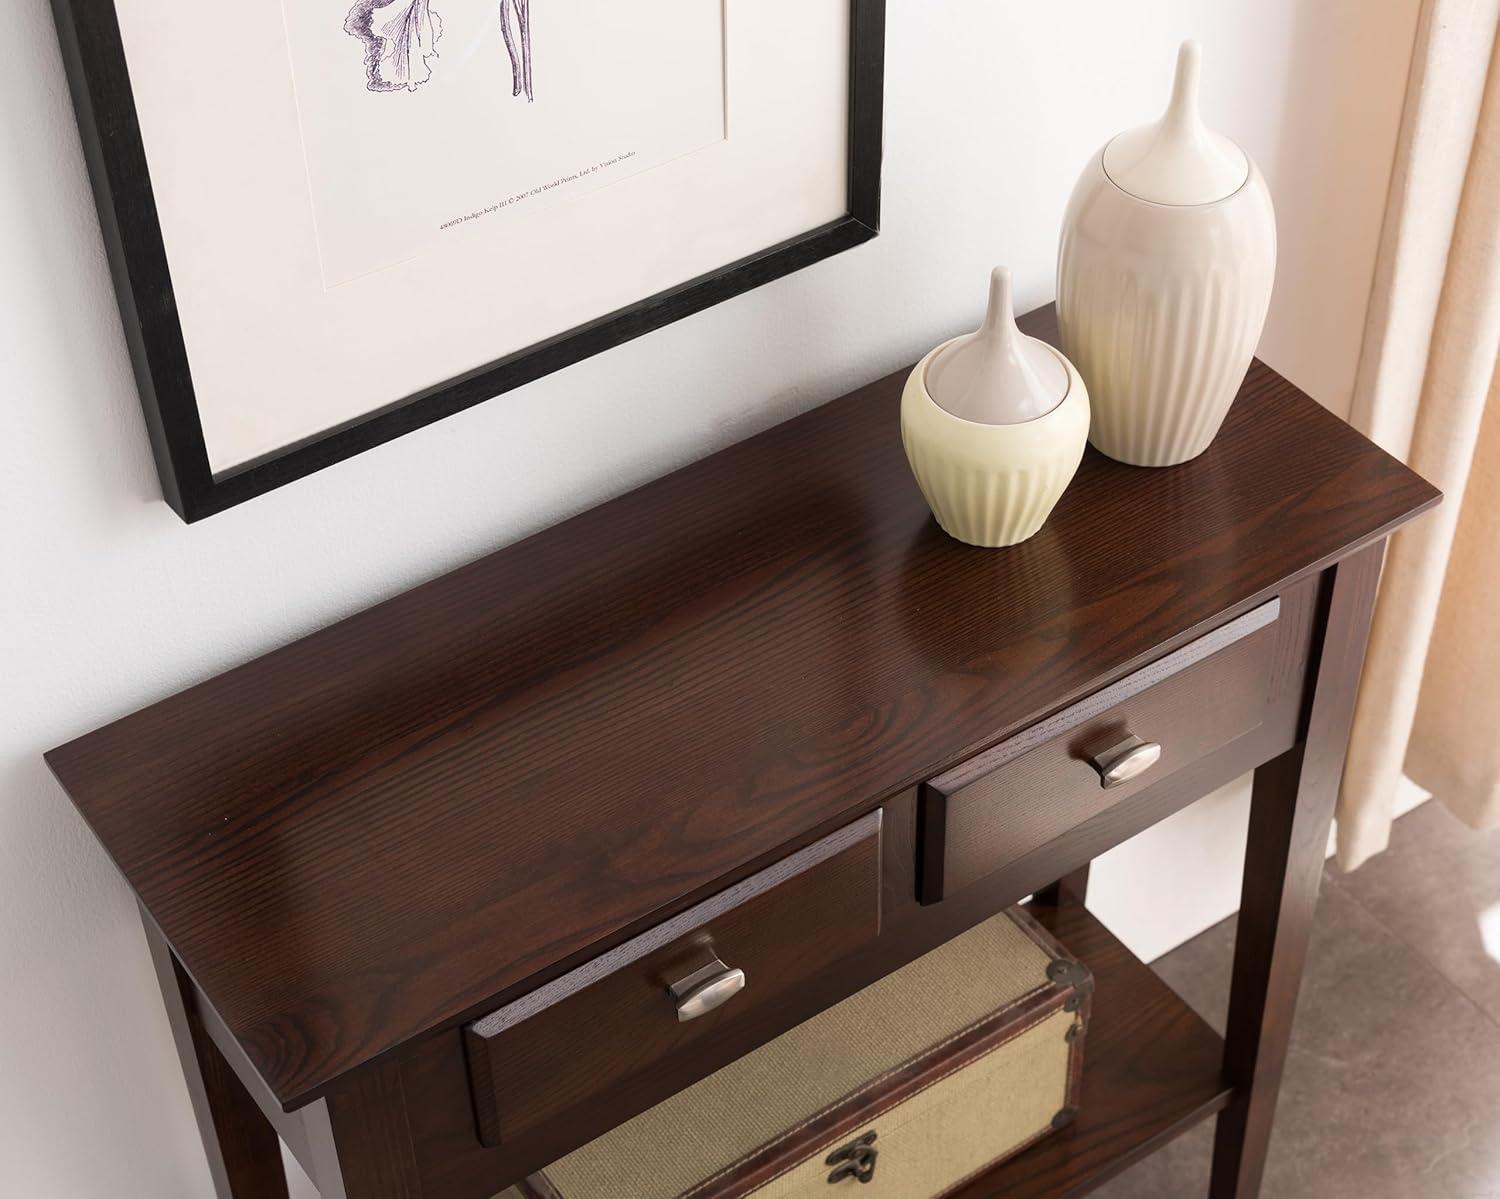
[1073, 887]
[361, 1140]
[1290, 811]
[244, 1153]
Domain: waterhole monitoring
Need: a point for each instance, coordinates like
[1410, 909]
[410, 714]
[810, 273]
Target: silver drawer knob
[1130, 759]
[705, 989]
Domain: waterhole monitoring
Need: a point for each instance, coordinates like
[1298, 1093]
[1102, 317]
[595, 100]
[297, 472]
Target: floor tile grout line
[1448, 980]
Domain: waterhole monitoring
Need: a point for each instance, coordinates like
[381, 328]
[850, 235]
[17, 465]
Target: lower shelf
[1151, 1070]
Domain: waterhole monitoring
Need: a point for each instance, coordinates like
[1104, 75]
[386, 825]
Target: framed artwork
[334, 221]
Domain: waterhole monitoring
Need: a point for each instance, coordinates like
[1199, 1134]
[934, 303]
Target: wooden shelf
[1151, 1070]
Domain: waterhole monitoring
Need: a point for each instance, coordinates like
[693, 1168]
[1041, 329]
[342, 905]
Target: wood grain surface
[419, 813]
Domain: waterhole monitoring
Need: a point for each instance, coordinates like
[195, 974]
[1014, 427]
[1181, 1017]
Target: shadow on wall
[84, 1024]
[61, 270]
[88, 1025]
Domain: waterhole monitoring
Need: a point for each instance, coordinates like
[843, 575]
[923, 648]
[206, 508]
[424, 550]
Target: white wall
[108, 602]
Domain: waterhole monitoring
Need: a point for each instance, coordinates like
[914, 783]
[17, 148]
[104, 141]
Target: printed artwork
[422, 122]
[520, 60]
[400, 39]
[399, 48]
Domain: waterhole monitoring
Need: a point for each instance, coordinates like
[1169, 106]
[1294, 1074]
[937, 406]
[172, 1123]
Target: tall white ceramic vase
[1164, 276]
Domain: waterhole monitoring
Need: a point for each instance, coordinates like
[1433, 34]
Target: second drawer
[1038, 785]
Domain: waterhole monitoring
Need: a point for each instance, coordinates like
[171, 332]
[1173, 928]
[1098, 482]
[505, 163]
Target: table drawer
[1016, 797]
[645, 1006]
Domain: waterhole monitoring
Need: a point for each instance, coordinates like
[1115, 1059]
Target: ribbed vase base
[1133, 457]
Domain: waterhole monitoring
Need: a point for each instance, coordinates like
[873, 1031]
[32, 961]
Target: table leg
[244, 1153]
[1290, 809]
[1073, 886]
[361, 1139]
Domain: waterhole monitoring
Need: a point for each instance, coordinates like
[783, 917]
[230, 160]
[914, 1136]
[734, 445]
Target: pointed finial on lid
[1000, 311]
[998, 375]
[1178, 159]
[1182, 116]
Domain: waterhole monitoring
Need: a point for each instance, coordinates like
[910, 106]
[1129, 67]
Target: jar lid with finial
[997, 375]
[1177, 159]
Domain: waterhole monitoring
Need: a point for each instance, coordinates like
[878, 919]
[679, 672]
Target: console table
[426, 889]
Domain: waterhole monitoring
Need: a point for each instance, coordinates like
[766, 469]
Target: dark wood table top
[396, 822]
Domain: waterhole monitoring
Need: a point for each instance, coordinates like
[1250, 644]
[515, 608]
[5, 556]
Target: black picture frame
[94, 57]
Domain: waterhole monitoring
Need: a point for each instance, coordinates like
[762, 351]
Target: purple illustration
[399, 47]
[520, 57]
[397, 52]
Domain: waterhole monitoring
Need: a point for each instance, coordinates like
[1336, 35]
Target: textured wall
[108, 602]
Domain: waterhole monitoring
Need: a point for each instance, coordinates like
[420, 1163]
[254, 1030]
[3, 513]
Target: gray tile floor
[1392, 1087]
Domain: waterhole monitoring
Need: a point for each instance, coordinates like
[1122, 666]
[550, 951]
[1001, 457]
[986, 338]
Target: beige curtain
[1429, 702]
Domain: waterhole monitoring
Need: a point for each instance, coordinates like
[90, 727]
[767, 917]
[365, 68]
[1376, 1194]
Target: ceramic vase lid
[1178, 159]
[997, 375]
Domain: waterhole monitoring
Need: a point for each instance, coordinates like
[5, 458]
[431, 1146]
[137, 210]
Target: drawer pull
[706, 989]
[1129, 759]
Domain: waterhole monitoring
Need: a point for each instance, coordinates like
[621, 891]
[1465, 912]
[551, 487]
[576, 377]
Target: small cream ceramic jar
[995, 482]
